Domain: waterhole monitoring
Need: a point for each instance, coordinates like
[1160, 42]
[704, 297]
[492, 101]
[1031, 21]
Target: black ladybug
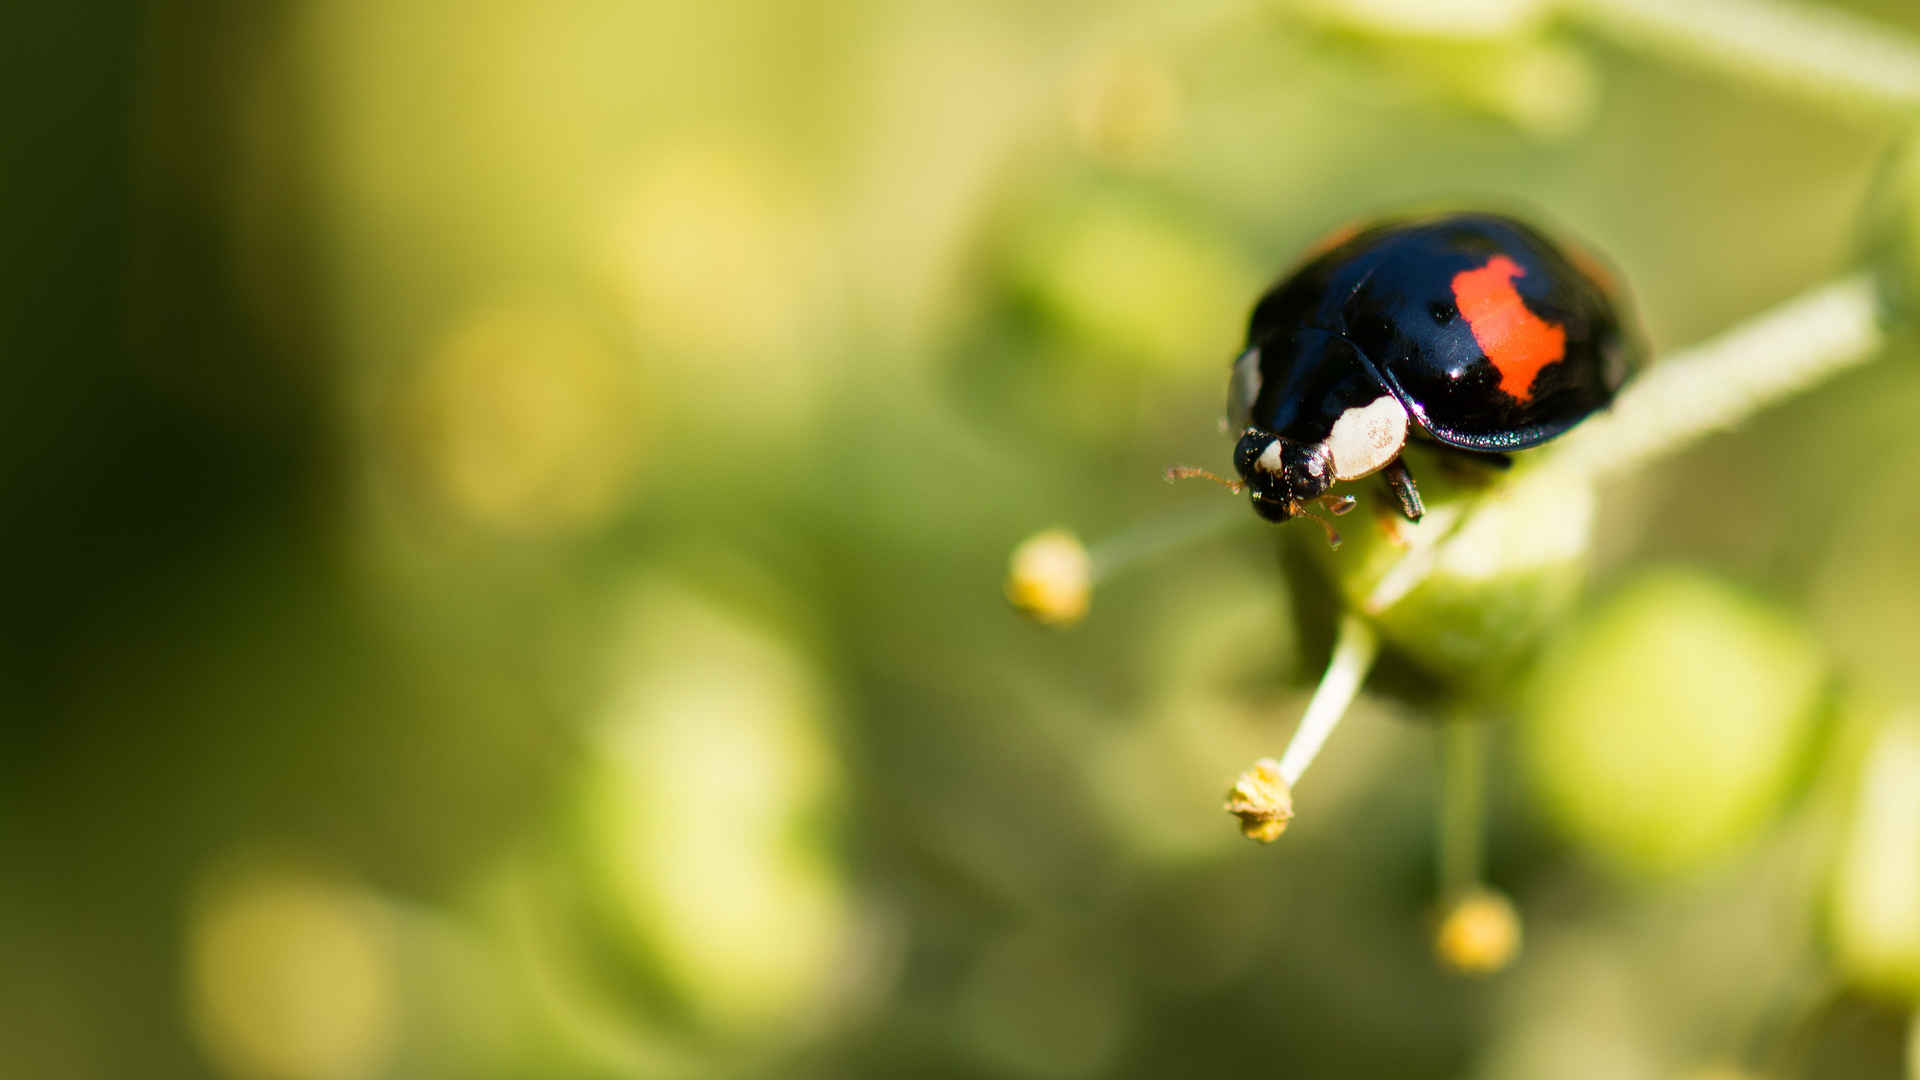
[1471, 330]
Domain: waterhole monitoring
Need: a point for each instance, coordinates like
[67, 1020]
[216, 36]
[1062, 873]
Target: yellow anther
[1262, 802]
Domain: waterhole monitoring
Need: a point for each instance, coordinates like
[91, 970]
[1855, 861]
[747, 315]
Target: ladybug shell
[1490, 336]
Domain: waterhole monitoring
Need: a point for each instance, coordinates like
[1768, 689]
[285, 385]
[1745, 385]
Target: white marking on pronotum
[1365, 439]
[1243, 387]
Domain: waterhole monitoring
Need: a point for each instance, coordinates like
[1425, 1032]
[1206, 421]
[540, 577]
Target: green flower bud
[1487, 55]
[1128, 280]
[1472, 587]
[698, 833]
[1874, 908]
[1670, 725]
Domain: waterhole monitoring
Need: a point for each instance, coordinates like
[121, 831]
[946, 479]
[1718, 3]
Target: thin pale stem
[1716, 384]
[1463, 780]
[1353, 653]
[1152, 539]
[1821, 52]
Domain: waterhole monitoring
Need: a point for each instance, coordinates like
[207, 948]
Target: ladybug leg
[1336, 504]
[1401, 482]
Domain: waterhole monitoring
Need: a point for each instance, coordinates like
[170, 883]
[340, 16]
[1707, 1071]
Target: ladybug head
[1282, 475]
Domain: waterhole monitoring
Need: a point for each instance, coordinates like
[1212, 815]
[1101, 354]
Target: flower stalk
[1463, 786]
[1824, 53]
[1354, 651]
[1479, 929]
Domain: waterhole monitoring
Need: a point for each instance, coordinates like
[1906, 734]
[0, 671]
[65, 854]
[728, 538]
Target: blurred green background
[507, 503]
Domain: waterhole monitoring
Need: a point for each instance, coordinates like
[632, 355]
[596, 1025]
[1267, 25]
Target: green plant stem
[1714, 385]
[1169, 532]
[1463, 778]
[1354, 650]
[1832, 55]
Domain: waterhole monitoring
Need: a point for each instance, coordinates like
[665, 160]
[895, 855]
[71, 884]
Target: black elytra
[1471, 330]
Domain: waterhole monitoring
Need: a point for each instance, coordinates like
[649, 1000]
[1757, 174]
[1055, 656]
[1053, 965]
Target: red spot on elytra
[1518, 342]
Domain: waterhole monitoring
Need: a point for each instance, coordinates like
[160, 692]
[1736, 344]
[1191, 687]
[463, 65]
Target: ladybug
[1472, 331]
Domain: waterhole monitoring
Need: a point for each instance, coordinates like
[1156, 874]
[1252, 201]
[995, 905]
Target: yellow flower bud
[1479, 934]
[1050, 578]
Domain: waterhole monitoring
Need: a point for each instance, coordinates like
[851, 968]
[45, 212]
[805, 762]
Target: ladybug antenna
[1190, 472]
